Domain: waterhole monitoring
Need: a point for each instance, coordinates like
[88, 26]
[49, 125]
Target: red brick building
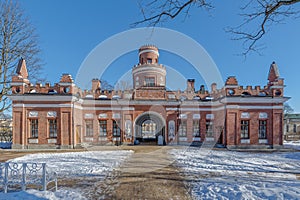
[64, 116]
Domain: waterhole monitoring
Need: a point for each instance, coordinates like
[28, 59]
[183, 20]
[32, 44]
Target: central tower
[149, 77]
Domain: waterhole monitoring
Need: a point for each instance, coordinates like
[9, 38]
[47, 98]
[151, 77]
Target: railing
[14, 174]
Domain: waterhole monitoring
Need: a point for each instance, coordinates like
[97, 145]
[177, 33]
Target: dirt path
[146, 175]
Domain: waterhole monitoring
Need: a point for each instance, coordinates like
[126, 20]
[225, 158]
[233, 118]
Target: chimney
[213, 87]
[191, 85]
[96, 84]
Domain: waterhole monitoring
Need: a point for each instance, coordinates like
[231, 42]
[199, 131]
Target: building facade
[292, 126]
[64, 116]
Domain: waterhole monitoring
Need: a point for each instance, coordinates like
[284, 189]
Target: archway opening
[150, 130]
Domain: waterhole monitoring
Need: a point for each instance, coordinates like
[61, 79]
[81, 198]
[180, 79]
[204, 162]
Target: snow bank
[91, 164]
[292, 144]
[239, 175]
[43, 195]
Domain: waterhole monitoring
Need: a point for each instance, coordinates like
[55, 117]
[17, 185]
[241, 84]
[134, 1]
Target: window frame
[102, 131]
[182, 128]
[34, 128]
[116, 129]
[245, 129]
[209, 128]
[262, 130]
[150, 81]
[52, 128]
[89, 128]
[196, 128]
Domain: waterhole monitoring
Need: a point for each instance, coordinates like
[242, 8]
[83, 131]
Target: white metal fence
[21, 175]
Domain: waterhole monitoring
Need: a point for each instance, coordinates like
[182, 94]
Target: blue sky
[70, 29]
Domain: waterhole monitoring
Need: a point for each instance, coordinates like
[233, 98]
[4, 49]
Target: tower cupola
[148, 54]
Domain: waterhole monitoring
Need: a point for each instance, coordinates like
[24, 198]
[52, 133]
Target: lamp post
[75, 98]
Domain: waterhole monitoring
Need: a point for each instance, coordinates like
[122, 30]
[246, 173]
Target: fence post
[44, 181]
[24, 165]
[6, 177]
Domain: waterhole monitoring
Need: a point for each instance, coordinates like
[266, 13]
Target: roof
[292, 116]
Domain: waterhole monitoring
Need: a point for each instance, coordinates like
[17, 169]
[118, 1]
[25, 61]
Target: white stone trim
[182, 139]
[245, 115]
[183, 116]
[197, 139]
[33, 114]
[33, 141]
[245, 141]
[252, 99]
[263, 115]
[142, 69]
[52, 140]
[263, 141]
[254, 107]
[148, 51]
[102, 116]
[196, 116]
[210, 116]
[88, 116]
[66, 84]
[209, 139]
[51, 114]
[17, 84]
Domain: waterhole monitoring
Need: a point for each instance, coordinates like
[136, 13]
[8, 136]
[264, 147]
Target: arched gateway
[150, 129]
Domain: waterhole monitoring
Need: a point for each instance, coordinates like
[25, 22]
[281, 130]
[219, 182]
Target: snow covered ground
[292, 144]
[91, 164]
[240, 175]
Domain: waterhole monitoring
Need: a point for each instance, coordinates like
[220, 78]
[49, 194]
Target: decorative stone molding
[102, 116]
[183, 116]
[245, 115]
[33, 140]
[88, 116]
[210, 116]
[197, 139]
[263, 141]
[182, 139]
[196, 116]
[263, 115]
[245, 141]
[209, 139]
[52, 140]
[51, 114]
[33, 114]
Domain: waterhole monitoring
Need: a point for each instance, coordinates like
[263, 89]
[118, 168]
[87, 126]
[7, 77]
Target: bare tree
[287, 109]
[123, 85]
[262, 14]
[17, 39]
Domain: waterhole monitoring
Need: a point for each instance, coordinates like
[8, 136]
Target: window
[287, 128]
[116, 129]
[182, 129]
[295, 128]
[149, 60]
[102, 128]
[149, 81]
[196, 128]
[34, 128]
[52, 123]
[209, 128]
[244, 129]
[149, 129]
[262, 132]
[89, 128]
